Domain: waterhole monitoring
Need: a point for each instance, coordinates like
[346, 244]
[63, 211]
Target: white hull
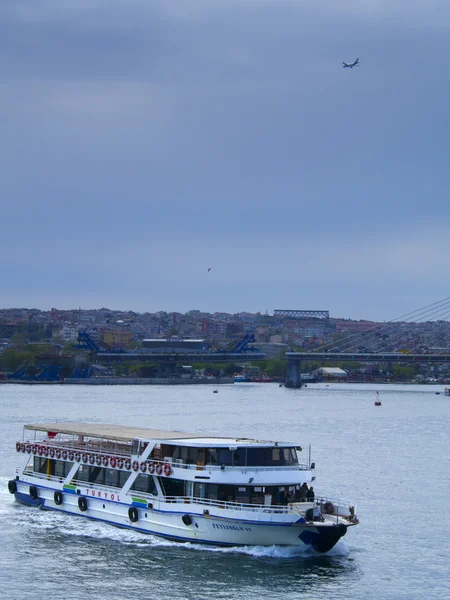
[166, 520]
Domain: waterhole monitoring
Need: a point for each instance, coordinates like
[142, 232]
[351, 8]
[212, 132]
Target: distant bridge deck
[393, 357]
[173, 357]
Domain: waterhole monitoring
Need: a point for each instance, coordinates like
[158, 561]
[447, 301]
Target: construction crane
[239, 346]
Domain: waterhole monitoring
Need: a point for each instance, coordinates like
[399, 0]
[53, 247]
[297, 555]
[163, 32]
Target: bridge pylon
[293, 375]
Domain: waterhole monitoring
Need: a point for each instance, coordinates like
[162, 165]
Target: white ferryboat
[181, 486]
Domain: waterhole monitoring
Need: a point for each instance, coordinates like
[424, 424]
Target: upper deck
[126, 434]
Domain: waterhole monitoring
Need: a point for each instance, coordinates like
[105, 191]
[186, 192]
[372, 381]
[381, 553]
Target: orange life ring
[159, 468]
[105, 461]
[127, 464]
[112, 462]
[84, 458]
[45, 451]
[119, 463]
[143, 467]
[34, 448]
[71, 455]
[58, 453]
[77, 456]
[18, 446]
[51, 452]
[28, 448]
[98, 460]
[22, 447]
[151, 467]
[64, 454]
[135, 465]
[40, 449]
[328, 508]
[167, 469]
[91, 459]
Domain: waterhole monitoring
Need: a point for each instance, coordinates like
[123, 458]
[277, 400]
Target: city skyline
[144, 144]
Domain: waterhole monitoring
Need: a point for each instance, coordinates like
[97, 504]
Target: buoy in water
[215, 391]
[377, 402]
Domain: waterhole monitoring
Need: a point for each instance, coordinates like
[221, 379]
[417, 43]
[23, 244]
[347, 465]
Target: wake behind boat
[184, 487]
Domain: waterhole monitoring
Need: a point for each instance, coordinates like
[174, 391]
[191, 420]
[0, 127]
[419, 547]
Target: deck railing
[330, 507]
[109, 450]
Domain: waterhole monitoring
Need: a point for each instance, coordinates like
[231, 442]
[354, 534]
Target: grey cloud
[229, 123]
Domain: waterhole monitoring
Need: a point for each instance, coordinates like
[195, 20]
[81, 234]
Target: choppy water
[393, 461]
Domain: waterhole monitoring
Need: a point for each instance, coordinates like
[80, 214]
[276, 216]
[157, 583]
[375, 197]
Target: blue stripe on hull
[26, 499]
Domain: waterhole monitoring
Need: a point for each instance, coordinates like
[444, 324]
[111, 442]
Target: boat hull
[187, 524]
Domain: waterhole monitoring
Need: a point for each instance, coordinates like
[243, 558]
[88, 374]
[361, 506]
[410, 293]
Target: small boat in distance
[186, 487]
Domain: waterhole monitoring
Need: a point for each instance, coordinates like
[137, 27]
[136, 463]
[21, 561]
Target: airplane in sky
[351, 65]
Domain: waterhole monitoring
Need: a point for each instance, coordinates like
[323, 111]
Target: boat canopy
[127, 434]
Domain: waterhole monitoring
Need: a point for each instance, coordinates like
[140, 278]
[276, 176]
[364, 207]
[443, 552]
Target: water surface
[393, 461]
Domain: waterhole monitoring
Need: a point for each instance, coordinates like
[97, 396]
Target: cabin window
[40, 465]
[172, 487]
[123, 478]
[145, 483]
[212, 456]
[83, 473]
[187, 455]
[271, 457]
[101, 476]
[97, 475]
[199, 490]
[243, 495]
[61, 468]
[112, 477]
[212, 491]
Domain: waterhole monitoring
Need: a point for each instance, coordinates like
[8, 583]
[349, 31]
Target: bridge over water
[295, 359]
[168, 362]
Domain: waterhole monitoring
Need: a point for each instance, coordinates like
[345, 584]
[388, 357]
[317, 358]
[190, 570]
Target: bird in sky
[209, 269]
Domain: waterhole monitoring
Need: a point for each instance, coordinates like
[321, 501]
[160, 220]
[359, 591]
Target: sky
[142, 143]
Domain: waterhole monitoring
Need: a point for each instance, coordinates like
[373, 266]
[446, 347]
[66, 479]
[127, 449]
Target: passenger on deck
[279, 497]
[300, 495]
[310, 494]
[285, 498]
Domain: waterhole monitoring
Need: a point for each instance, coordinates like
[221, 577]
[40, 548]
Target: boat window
[83, 473]
[225, 456]
[212, 456]
[112, 477]
[243, 495]
[145, 483]
[187, 455]
[123, 478]
[97, 475]
[61, 468]
[172, 487]
[101, 476]
[271, 457]
[40, 465]
[199, 490]
[212, 491]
